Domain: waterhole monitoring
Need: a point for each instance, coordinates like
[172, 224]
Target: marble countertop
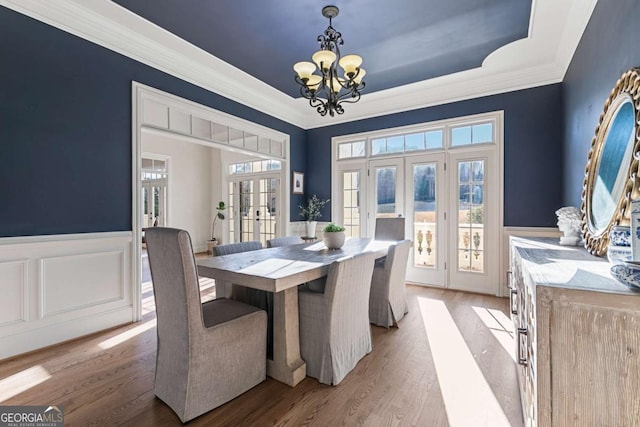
[551, 264]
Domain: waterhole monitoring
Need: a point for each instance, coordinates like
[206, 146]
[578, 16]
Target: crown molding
[556, 27]
[109, 25]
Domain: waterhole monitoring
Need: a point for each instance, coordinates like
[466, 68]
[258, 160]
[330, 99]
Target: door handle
[522, 353]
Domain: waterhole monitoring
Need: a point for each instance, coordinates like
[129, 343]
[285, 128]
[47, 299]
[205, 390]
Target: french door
[450, 202]
[253, 209]
[473, 225]
[426, 198]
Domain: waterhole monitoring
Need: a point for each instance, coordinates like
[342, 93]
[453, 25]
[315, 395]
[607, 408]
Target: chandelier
[329, 90]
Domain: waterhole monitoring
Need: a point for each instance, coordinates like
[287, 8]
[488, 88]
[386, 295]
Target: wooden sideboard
[577, 337]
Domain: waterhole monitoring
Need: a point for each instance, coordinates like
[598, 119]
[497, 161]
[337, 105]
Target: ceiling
[401, 41]
[417, 53]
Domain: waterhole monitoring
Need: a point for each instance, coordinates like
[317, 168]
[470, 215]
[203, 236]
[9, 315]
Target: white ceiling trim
[542, 58]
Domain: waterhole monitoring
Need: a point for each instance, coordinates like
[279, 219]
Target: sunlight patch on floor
[22, 381]
[468, 398]
[128, 334]
[500, 326]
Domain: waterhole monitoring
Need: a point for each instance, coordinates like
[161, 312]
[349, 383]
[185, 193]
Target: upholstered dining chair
[389, 229]
[207, 353]
[284, 241]
[225, 289]
[255, 297]
[334, 325]
[388, 299]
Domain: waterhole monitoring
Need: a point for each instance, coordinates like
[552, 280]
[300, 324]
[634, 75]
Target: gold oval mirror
[612, 164]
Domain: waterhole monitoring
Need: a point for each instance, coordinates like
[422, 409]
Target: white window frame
[496, 118]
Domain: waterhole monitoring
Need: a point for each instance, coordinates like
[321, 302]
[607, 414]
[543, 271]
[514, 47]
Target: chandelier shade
[329, 89]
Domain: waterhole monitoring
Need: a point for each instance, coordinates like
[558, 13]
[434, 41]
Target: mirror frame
[627, 88]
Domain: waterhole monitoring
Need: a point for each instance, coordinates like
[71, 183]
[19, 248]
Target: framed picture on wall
[297, 183]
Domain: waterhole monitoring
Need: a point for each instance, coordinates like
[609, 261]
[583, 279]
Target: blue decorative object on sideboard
[628, 273]
[620, 236]
[619, 247]
[635, 229]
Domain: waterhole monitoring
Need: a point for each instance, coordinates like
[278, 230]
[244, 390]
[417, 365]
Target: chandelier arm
[350, 97]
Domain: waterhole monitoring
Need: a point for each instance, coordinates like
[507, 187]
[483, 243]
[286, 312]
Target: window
[474, 134]
[410, 142]
[255, 166]
[348, 150]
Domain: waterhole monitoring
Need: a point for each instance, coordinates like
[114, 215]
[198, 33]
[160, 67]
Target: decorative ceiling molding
[543, 58]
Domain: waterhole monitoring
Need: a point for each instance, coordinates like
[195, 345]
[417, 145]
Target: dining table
[281, 270]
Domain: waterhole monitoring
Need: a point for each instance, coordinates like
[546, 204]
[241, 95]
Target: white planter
[333, 240]
[311, 228]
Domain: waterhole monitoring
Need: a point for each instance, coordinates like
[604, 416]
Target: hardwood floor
[449, 363]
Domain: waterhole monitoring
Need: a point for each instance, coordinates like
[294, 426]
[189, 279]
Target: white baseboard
[55, 288]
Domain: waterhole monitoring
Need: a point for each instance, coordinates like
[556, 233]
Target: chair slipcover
[255, 297]
[334, 325]
[389, 229]
[284, 241]
[207, 353]
[388, 300]
[236, 291]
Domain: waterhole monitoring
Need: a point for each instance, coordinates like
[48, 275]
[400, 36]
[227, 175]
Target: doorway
[445, 178]
[254, 212]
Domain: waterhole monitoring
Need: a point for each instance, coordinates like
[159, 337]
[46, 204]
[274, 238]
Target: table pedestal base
[287, 366]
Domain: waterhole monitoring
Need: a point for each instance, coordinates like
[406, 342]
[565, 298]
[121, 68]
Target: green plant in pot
[333, 236]
[311, 211]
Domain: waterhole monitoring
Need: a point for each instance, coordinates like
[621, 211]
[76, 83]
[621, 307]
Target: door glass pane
[386, 192]
[424, 215]
[246, 210]
[351, 203]
[471, 216]
[231, 213]
[267, 209]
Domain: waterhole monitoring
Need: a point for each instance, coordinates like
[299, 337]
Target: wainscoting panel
[55, 288]
[13, 288]
[77, 281]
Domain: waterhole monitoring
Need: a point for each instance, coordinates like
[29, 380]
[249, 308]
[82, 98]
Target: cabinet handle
[509, 279]
[513, 301]
[522, 360]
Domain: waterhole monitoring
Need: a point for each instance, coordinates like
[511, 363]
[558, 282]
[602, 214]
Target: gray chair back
[334, 325]
[234, 248]
[254, 297]
[175, 285]
[207, 354]
[388, 300]
[284, 241]
[389, 229]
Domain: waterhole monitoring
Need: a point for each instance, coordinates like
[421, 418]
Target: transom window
[474, 134]
[349, 150]
[255, 166]
[447, 134]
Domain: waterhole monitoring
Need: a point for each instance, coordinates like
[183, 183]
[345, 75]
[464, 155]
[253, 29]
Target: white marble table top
[276, 269]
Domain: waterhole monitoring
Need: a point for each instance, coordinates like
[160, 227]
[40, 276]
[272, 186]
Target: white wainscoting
[55, 288]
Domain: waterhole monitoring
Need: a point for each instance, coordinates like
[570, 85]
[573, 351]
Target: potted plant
[311, 212]
[333, 236]
[219, 216]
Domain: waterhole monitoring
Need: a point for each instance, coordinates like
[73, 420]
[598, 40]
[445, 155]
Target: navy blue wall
[65, 130]
[609, 46]
[532, 149]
